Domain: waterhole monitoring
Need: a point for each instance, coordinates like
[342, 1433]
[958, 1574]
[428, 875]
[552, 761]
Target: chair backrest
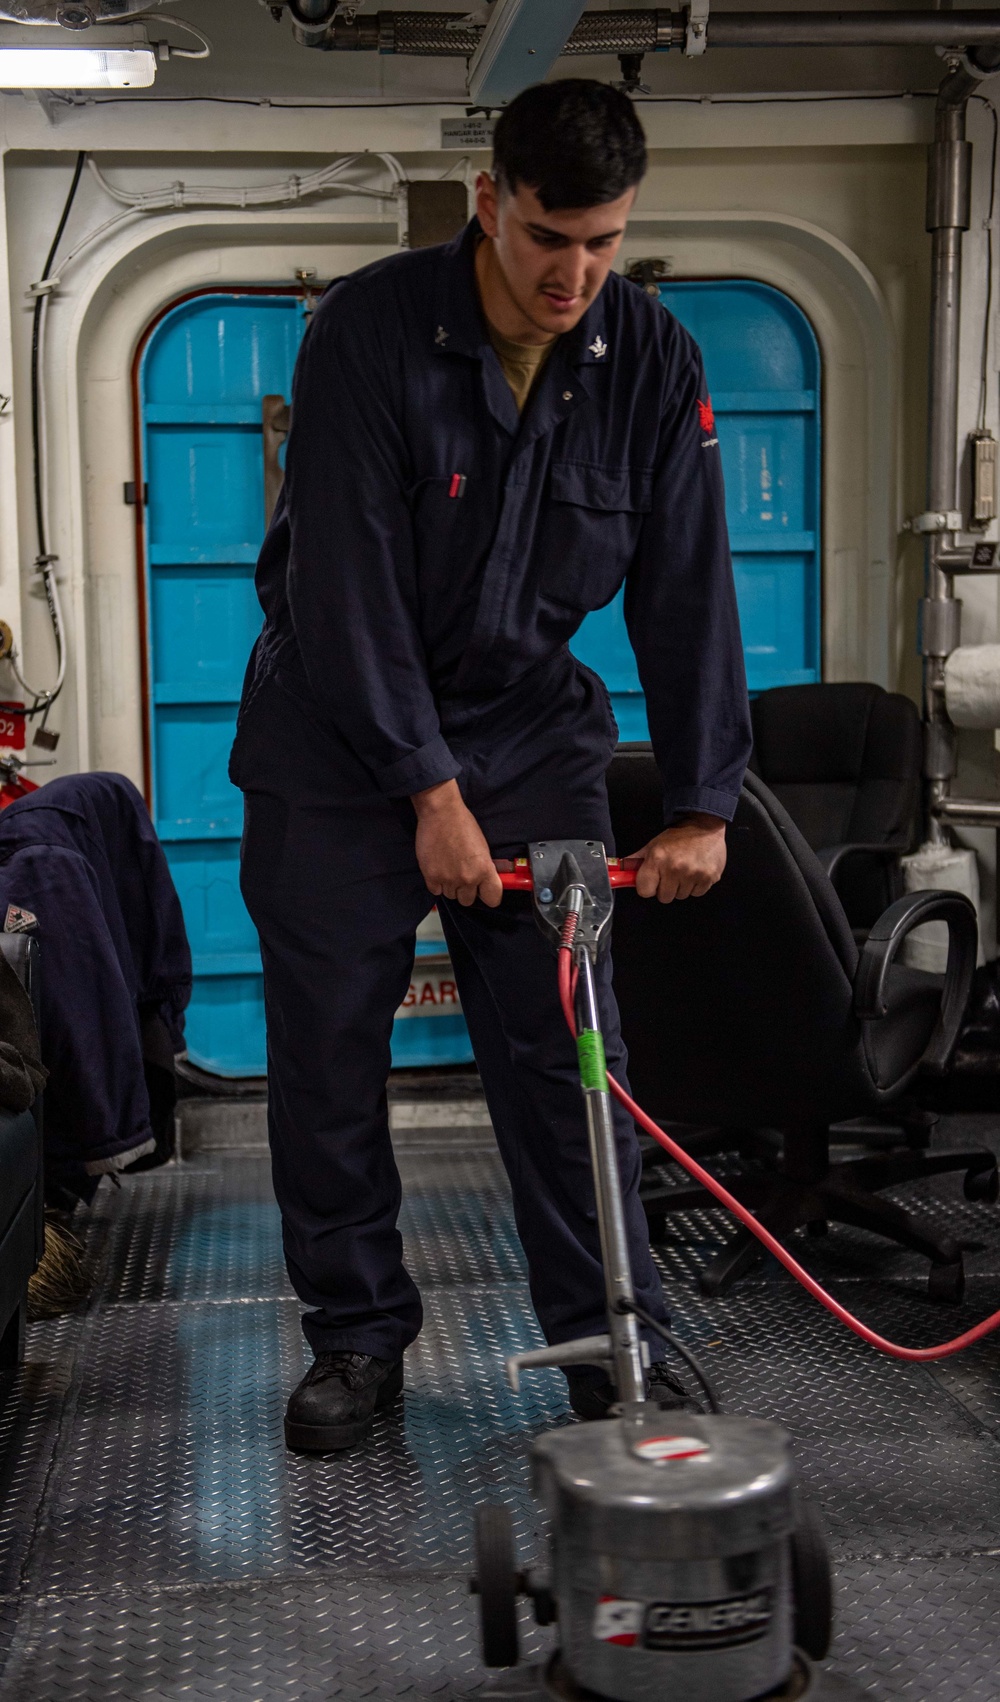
[845, 761]
[738, 1007]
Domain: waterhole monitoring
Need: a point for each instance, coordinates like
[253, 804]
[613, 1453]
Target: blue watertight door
[204, 373]
[205, 370]
[763, 369]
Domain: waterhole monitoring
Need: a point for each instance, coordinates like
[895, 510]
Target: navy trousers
[337, 956]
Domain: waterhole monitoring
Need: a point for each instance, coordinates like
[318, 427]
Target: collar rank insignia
[599, 347]
[441, 336]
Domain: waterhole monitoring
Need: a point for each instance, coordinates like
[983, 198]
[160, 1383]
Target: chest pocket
[592, 525]
[444, 519]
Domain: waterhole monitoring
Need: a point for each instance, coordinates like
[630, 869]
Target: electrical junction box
[983, 469]
[436, 210]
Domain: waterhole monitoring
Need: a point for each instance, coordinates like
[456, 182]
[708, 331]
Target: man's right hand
[453, 855]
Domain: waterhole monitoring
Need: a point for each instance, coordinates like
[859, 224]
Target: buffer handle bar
[515, 876]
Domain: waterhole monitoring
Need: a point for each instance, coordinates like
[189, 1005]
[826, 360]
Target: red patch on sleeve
[706, 415]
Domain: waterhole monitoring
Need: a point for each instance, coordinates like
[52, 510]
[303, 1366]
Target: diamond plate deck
[211, 1230]
[157, 1541]
[377, 1639]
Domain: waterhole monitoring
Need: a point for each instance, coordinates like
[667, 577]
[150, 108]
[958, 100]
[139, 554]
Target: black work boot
[337, 1399]
[667, 1390]
[592, 1394]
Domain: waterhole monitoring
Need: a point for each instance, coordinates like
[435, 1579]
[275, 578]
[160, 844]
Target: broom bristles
[61, 1280]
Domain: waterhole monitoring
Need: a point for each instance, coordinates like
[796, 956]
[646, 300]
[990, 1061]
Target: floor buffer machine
[685, 1563]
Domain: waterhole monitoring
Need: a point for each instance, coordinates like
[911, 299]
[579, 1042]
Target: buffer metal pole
[622, 1327]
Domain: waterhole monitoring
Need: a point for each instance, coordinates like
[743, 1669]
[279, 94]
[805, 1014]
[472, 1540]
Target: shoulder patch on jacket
[18, 921]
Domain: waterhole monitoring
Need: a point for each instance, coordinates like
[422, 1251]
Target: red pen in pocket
[457, 486]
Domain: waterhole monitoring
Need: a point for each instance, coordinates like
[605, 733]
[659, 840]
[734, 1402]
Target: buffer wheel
[496, 1584]
[812, 1584]
[947, 1282]
[983, 1185]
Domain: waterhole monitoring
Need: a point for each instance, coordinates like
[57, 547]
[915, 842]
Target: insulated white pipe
[938, 868]
[972, 686]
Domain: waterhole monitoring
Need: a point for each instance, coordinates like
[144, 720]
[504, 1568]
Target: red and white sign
[662, 1448]
[11, 727]
[432, 992]
[618, 1621]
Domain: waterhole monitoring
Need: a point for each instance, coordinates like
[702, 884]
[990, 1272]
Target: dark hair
[576, 143]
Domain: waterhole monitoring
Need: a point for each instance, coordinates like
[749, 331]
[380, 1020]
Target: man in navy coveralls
[488, 438]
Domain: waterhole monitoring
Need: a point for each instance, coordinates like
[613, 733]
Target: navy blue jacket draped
[81, 855]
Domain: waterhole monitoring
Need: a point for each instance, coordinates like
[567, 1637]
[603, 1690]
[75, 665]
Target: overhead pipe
[853, 29]
[651, 30]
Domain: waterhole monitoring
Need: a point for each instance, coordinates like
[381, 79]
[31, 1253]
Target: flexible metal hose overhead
[650, 30]
[447, 34]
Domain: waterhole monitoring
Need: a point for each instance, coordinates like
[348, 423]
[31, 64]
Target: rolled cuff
[701, 799]
[119, 1160]
[431, 765]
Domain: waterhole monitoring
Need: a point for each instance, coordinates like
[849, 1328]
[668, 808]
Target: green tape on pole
[593, 1065]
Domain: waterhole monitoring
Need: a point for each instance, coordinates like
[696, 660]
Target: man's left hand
[684, 861]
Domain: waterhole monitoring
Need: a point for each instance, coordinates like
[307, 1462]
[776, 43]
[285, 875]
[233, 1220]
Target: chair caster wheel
[817, 1227]
[983, 1185]
[656, 1223]
[917, 1128]
[947, 1282]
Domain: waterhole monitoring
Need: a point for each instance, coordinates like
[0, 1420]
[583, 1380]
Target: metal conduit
[949, 176]
[853, 29]
[949, 179]
[448, 35]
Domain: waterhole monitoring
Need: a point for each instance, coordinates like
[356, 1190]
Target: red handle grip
[516, 877]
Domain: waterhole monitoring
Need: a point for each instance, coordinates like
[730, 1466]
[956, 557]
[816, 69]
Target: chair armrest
[882, 945]
[832, 856]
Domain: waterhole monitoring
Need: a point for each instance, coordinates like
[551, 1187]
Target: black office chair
[751, 1009]
[845, 762]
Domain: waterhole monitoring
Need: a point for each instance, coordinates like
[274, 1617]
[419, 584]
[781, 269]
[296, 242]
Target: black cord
[460, 102]
[685, 1353]
[36, 444]
[36, 325]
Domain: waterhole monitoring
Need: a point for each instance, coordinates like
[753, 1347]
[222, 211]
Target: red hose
[693, 1168]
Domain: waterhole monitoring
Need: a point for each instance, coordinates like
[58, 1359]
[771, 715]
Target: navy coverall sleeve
[682, 618]
[352, 584]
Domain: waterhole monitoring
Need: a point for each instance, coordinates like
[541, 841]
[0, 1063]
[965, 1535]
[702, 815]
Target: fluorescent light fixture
[520, 44]
[76, 68]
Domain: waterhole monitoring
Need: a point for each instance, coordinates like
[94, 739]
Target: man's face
[553, 264]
